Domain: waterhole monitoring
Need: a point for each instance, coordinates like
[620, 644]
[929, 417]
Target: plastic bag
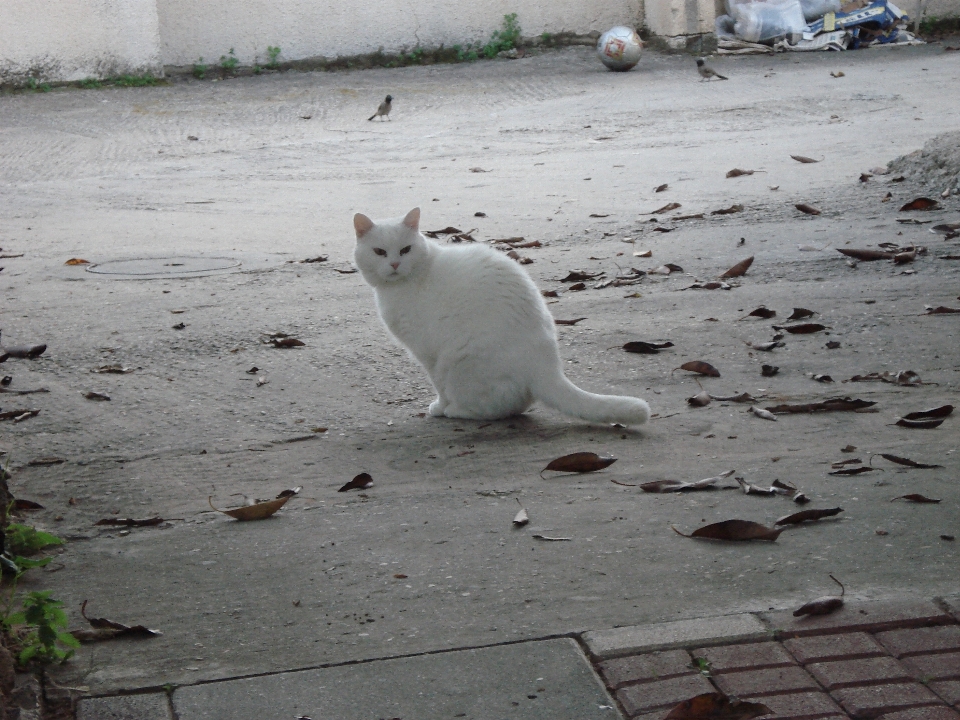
[814, 9]
[724, 27]
[765, 21]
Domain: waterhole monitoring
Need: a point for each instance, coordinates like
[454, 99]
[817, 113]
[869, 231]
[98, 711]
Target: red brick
[859, 617]
[802, 706]
[922, 641]
[875, 700]
[732, 658]
[824, 648]
[757, 683]
[942, 666]
[925, 713]
[866, 671]
[641, 698]
[643, 668]
[949, 691]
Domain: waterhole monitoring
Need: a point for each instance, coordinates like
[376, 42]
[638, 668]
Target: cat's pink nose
[395, 265]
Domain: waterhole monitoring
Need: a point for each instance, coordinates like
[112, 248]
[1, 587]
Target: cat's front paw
[437, 407]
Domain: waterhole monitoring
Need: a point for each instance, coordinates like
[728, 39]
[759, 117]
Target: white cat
[477, 324]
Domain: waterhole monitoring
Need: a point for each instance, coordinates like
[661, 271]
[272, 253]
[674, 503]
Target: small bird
[384, 110]
[706, 72]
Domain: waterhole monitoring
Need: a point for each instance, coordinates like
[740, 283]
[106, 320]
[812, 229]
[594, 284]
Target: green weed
[147, 80]
[273, 53]
[200, 69]
[47, 624]
[91, 84]
[23, 539]
[33, 84]
[506, 38]
[229, 61]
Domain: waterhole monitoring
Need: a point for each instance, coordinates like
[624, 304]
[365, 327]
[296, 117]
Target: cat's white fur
[478, 325]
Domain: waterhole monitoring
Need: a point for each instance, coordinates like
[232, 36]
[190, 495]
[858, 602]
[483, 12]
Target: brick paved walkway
[869, 660]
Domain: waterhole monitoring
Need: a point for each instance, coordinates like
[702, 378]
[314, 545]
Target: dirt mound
[937, 165]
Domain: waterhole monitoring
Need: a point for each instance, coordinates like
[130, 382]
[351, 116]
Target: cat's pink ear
[412, 220]
[362, 224]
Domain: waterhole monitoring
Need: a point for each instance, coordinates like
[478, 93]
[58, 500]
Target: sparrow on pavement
[384, 110]
[707, 72]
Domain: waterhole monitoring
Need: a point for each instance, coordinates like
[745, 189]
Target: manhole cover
[165, 267]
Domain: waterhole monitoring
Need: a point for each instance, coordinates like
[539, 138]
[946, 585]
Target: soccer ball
[619, 48]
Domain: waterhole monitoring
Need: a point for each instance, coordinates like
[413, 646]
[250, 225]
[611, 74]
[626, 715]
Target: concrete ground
[427, 559]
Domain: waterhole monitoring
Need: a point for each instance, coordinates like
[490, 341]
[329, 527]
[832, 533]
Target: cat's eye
[381, 252]
[405, 250]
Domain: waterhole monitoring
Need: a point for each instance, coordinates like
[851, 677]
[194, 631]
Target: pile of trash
[803, 25]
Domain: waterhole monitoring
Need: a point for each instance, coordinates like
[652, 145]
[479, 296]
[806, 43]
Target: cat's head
[390, 250]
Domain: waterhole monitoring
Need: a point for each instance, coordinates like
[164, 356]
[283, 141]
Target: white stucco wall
[64, 40]
[331, 28]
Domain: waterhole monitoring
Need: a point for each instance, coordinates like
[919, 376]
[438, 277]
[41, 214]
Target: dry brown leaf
[728, 211]
[852, 471]
[360, 482]
[701, 399]
[750, 489]
[804, 159]
[717, 706]
[920, 424]
[823, 605]
[941, 310]
[805, 515]
[761, 413]
[937, 412]
[580, 462]
[20, 504]
[741, 398]
[737, 172]
[646, 348]
[569, 322]
[23, 352]
[666, 208]
[521, 518]
[921, 203]
[579, 276]
[808, 209]
[917, 498]
[833, 405]
[130, 522]
[114, 629]
[800, 314]
[668, 486]
[700, 367]
[577, 287]
[734, 530]
[803, 328]
[761, 312]
[906, 461]
[661, 188]
[112, 370]
[257, 511]
[866, 255]
[286, 342]
[739, 269]
[77, 261]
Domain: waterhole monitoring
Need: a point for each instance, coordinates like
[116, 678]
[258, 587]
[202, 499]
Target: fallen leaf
[701, 399]
[349, 271]
[661, 188]
[852, 471]
[762, 312]
[20, 504]
[937, 412]
[77, 261]
[646, 348]
[717, 706]
[569, 322]
[903, 377]
[804, 515]
[739, 269]
[915, 497]
[449, 230]
[318, 429]
[112, 370]
[130, 522]
[947, 537]
[741, 398]
[803, 328]
[920, 203]
[550, 539]
[668, 486]
[91, 395]
[804, 159]
[946, 229]
[666, 269]
[737, 172]
[838, 74]
[400, 576]
[700, 367]
[257, 511]
[643, 253]
[360, 482]
[599, 215]
[848, 448]
[317, 259]
[906, 461]
[108, 629]
[767, 346]
[577, 287]
[43, 461]
[750, 489]
[666, 208]
[728, 211]
[823, 605]
[941, 310]
[842, 463]
[901, 258]
[808, 209]
[287, 342]
[478, 170]
[179, 326]
[697, 216]
[821, 378]
[709, 286]
[832, 344]
[866, 255]
[289, 493]
[521, 518]
[18, 415]
[580, 462]
[734, 530]
[579, 276]
[23, 352]
[833, 405]
[761, 413]
[920, 424]
[769, 370]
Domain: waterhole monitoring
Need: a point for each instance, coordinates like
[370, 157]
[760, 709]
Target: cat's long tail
[559, 393]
